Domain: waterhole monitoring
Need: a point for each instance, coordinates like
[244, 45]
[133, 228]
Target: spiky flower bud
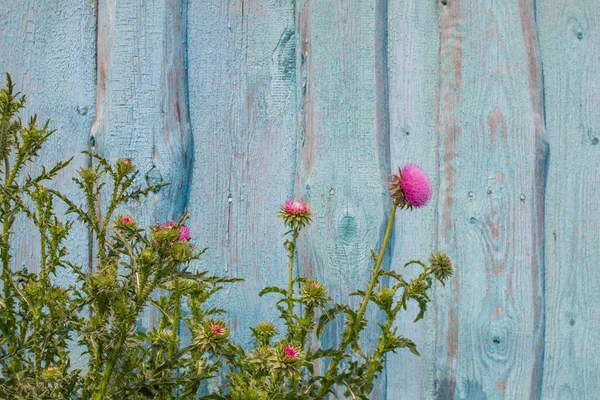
[51, 373]
[147, 256]
[182, 251]
[295, 214]
[212, 335]
[125, 221]
[441, 266]
[384, 298]
[418, 285]
[264, 331]
[411, 187]
[287, 359]
[89, 175]
[312, 293]
[125, 166]
[291, 352]
[166, 233]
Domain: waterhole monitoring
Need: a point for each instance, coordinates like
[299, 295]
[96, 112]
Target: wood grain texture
[490, 152]
[413, 46]
[569, 33]
[241, 58]
[49, 50]
[343, 157]
[141, 101]
[242, 104]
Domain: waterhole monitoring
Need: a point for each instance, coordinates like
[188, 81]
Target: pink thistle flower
[126, 219]
[295, 207]
[411, 187]
[291, 352]
[295, 214]
[170, 224]
[219, 330]
[184, 234]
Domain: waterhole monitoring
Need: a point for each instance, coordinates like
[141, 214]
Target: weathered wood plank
[241, 83]
[569, 34]
[49, 50]
[141, 101]
[490, 188]
[343, 145]
[413, 47]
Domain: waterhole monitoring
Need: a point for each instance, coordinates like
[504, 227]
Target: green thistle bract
[441, 266]
[125, 166]
[312, 293]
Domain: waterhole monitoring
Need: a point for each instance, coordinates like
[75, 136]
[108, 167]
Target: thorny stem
[109, 368]
[347, 336]
[6, 278]
[292, 251]
[175, 325]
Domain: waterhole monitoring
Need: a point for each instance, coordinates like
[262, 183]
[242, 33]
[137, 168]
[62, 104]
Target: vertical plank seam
[191, 148]
[542, 159]
[92, 139]
[383, 134]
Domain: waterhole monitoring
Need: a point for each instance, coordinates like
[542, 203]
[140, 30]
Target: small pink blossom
[184, 234]
[415, 185]
[170, 224]
[295, 207]
[291, 352]
[219, 330]
[126, 219]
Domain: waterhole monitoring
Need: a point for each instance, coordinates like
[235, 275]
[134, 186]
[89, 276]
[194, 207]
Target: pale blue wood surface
[569, 34]
[490, 319]
[141, 104]
[343, 158]
[241, 64]
[242, 104]
[50, 53]
[413, 51]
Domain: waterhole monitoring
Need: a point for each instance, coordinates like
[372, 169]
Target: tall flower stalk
[354, 328]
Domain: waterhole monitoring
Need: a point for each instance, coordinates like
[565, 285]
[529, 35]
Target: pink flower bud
[219, 330]
[126, 219]
[184, 234]
[291, 352]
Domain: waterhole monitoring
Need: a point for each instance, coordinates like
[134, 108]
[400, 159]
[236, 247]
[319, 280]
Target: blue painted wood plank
[241, 63]
[569, 33]
[489, 343]
[49, 50]
[343, 147]
[413, 50]
[141, 104]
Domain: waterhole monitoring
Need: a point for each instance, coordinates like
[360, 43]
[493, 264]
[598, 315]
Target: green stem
[348, 333]
[175, 325]
[309, 314]
[292, 251]
[6, 276]
[109, 368]
[379, 351]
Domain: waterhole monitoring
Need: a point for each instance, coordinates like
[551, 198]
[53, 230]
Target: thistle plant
[136, 267]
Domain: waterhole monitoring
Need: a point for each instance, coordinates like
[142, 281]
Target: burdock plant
[136, 267]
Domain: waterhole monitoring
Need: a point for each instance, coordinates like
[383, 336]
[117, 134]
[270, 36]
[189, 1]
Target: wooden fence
[241, 104]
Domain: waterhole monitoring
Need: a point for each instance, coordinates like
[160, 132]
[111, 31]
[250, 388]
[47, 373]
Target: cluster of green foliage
[42, 323]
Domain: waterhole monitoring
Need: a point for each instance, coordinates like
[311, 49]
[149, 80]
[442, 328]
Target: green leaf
[273, 289]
